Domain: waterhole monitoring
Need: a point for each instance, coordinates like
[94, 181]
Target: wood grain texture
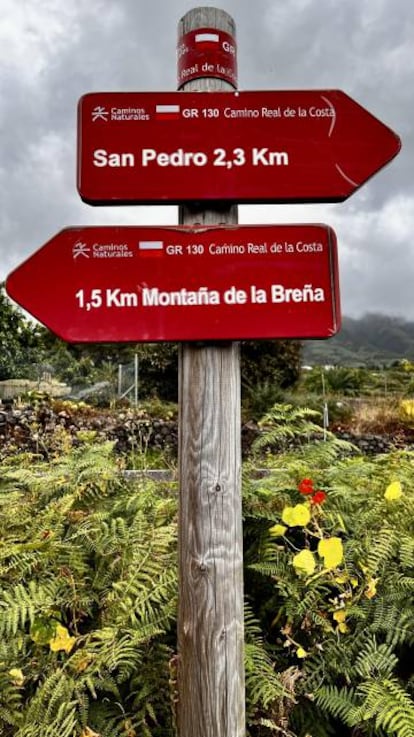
[211, 683]
[206, 17]
[210, 621]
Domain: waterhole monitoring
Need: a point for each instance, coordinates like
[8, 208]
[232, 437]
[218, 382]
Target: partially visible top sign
[166, 147]
[206, 52]
[113, 284]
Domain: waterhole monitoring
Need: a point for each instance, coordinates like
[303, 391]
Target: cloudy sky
[54, 51]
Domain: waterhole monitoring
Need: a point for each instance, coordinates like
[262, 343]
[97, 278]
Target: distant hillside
[371, 339]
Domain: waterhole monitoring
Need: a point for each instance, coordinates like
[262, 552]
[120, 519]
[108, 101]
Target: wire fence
[116, 382]
[128, 381]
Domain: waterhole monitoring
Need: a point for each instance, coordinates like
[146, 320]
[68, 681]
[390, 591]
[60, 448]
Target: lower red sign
[145, 284]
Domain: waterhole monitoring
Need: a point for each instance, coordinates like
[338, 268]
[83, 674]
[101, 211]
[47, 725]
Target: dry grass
[379, 415]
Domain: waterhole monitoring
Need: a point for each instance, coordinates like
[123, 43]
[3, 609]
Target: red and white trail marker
[206, 52]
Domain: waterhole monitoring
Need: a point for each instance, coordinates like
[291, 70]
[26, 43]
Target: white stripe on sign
[151, 245]
[207, 37]
[167, 109]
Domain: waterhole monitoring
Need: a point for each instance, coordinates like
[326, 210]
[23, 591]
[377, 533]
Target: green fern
[341, 703]
[98, 555]
[283, 423]
[375, 660]
[388, 705]
[82, 547]
[373, 587]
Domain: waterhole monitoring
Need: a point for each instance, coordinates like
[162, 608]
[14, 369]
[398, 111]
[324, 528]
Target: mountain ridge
[374, 339]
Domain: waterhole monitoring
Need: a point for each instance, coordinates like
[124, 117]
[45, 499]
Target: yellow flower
[393, 491]
[81, 663]
[407, 408]
[345, 578]
[340, 616]
[301, 653]
[297, 516]
[331, 551]
[61, 640]
[277, 530]
[17, 676]
[304, 562]
[371, 588]
[342, 578]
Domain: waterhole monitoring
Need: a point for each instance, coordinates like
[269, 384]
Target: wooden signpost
[211, 698]
[207, 280]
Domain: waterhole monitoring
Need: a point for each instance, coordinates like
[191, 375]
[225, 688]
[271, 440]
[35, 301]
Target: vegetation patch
[88, 592]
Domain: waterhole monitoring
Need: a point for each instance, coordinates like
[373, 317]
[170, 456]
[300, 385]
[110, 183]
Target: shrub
[88, 600]
[329, 556]
[88, 576]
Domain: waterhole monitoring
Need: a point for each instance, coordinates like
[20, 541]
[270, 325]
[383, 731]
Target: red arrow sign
[167, 147]
[114, 284]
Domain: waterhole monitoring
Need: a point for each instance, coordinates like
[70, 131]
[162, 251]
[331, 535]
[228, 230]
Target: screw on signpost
[210, 621]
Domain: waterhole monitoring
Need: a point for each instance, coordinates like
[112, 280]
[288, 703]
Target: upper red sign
[170, 147]
[114, 284]
[206, 52]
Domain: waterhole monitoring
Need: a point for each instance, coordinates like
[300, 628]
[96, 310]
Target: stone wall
[43, 430]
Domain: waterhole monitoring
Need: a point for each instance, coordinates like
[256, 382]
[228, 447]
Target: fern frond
[392, 619]
[341, 703]
[406, 551]
[375, 660]
[263, 684]
[20, 604]
[285, 422]
[389, 706]
[381, 549]
[11, 700]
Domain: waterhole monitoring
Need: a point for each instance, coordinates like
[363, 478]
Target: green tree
[18, 341]
[158, 370]
[274, 365]
[266, 362]
[335, 381]
[275, 361]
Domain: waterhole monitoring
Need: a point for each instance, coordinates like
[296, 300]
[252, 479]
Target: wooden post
[136, 379]
[210, 621]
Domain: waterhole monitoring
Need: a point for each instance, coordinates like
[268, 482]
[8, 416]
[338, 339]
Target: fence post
[136, 379]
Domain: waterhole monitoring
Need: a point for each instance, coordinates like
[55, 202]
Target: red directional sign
[169, 147]
[114, 284]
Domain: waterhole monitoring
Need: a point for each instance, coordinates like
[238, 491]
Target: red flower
[319, 497]
[306, 486]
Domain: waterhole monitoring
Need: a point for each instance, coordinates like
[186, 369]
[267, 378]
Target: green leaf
[42, 630]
